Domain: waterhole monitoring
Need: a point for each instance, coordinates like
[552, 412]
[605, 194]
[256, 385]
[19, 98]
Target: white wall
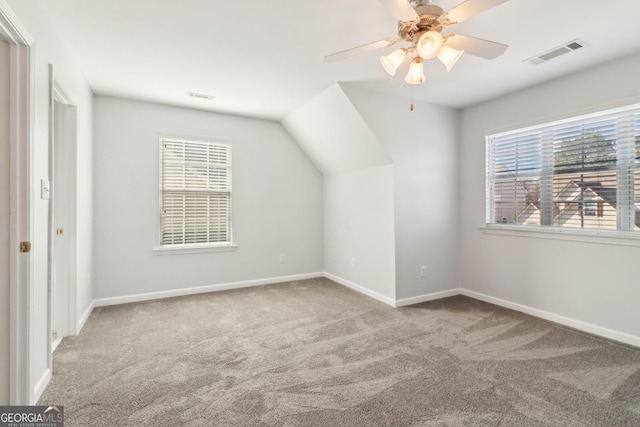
[589, 282]
[277, 201]
[359, 224]
[423, 147]
[50, 50]
[358, 191]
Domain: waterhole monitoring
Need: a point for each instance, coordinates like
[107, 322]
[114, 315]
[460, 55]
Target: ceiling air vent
[201, 95]
[558, 51]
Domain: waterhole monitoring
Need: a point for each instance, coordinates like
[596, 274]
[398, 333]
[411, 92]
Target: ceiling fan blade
[401, 9]
[358, 50]
[477, 47]
[470, 8]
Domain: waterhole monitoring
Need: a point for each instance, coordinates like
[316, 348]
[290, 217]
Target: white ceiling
[265, 58]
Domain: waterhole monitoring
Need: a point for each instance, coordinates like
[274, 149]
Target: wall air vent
[555, 52]
[201, 96]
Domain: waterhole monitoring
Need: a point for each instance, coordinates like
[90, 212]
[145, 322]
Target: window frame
[615, 236]
[190, 248]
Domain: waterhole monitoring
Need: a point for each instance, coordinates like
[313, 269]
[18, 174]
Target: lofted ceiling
[265, 58]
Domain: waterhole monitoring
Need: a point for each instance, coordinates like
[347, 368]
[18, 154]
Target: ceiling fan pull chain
[411, 89]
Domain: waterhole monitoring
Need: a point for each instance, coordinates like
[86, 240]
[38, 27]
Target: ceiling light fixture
[449, 56]
[429, 44]
[426, 45]
[391, 62]
[415, 76]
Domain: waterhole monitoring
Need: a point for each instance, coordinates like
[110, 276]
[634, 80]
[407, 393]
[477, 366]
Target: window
[195, 193]
[590, 207]
[581, 173]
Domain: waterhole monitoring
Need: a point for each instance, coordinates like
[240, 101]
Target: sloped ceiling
[334, 135]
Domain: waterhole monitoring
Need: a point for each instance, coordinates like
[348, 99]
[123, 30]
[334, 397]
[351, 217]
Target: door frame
[22, 103]
[68, 146]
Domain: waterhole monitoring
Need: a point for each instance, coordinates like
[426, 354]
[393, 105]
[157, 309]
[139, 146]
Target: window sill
[183, 250]
[620, 238]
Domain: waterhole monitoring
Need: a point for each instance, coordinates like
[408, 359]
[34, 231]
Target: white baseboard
[85, 316]
[101, 302]
[427, 297]
[361, 289]
[55, 343]
[38, 389]
[566, 321]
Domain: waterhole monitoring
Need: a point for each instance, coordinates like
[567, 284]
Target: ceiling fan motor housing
[429, 15]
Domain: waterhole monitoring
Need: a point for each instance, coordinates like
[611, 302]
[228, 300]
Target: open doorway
[62, 213]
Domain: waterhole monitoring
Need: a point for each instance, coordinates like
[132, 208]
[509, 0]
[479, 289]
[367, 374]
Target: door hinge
[25, 247]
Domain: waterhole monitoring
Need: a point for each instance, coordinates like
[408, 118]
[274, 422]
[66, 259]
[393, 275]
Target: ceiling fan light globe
[429, 44]
[415, 76]
[449, 56]
[391, 62]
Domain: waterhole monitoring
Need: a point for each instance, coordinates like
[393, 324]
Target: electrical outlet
[283, 258]
[423, 271]
[353, 262]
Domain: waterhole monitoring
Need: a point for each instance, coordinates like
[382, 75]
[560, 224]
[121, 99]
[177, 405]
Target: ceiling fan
[421, 24]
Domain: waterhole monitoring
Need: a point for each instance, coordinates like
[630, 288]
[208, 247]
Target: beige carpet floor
[313, 353]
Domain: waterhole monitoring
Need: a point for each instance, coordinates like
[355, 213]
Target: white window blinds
[579, 173]
[195, 192]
